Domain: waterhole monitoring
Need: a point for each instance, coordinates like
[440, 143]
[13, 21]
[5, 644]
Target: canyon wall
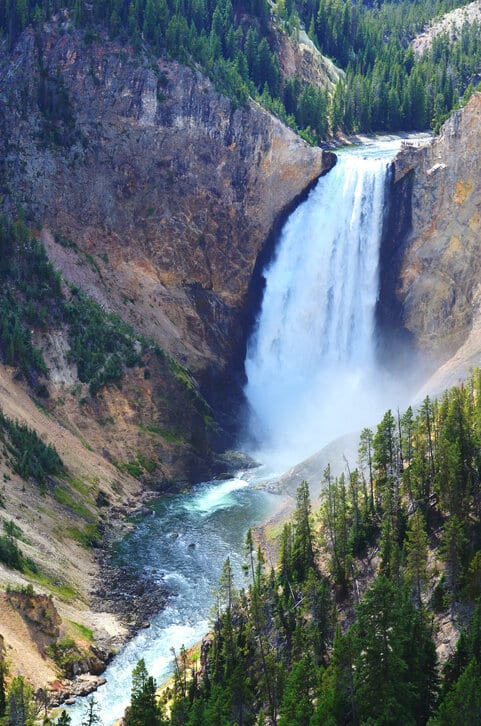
[149, 170]
[433, 288]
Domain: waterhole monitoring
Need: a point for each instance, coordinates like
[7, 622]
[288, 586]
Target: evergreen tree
[64, 719]
[21, 710]
[302, 543]
[453, 547]
[336, 703]
[416, 555]
[296, 707]
[91, 714]
[462, 704]
[144, 708]
[383, 691]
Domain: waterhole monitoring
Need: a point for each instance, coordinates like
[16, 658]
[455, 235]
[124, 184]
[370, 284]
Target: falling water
[311, 363]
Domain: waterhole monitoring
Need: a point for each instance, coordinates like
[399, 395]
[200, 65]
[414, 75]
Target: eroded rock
[439, 272]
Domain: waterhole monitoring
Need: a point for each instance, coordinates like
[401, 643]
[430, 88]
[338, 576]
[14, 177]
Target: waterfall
[311, 364]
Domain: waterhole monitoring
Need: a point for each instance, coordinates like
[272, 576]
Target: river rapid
[184, 543]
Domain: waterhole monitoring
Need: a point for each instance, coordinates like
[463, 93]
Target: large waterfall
[312, 374]
[311, 364]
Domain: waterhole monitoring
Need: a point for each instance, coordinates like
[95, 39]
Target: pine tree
[64, 719]
[21, 710]
[383, 692]
[452, 546]
[302, 544]
[462, 704]
[336, 703]
[144, 708]
[417, 555]
[296, 708]
[91, 714]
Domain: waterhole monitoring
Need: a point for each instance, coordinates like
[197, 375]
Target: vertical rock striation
[434, 244]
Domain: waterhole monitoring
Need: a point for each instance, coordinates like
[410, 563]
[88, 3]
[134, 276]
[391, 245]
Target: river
[185, 542]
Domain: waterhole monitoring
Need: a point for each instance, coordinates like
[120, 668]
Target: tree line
[386, 86]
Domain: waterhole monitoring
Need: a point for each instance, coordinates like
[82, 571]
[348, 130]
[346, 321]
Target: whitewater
[311, 365]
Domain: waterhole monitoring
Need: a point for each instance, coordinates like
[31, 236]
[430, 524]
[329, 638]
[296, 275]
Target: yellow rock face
[441, 267]
[462, 191]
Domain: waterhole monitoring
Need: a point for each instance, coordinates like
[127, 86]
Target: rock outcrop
[37, 609]
[434, 248]
[168, 188]
[300, 58]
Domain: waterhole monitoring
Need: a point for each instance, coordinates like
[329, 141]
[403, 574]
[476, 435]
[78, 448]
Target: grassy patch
[80, 485]
[63, 497]
[274, 531]
[89, 536]
[63, 590]
[82, 631]
[138, 467]
[169, 434]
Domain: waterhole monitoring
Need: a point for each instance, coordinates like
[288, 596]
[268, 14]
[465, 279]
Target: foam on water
[216, 496]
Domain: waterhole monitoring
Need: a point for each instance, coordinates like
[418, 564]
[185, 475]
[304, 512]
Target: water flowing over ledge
[311, 360]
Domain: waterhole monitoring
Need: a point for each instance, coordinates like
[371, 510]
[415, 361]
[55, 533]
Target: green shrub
[64, 653]
[100, 343]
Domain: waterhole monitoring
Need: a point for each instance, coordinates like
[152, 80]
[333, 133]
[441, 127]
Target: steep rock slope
[146, 167]
[437, 194]
[299, 57]
[48, 524]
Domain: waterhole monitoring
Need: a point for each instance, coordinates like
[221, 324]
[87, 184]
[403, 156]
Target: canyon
[161, 200]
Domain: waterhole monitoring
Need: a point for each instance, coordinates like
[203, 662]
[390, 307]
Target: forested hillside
[386, 86]
[346, 629]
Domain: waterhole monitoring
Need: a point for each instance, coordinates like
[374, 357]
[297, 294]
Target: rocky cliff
[155, 196]
[433, 247]
[145, 167]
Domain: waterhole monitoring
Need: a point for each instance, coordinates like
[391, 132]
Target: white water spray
[310, 364]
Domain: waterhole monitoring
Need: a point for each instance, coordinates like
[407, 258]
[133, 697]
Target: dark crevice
[394, 340]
